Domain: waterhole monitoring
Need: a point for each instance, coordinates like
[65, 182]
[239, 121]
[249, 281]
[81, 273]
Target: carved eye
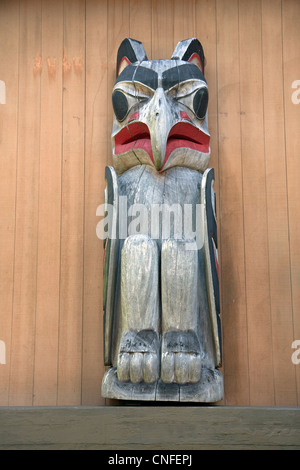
[200, 103]
[196, 100]
[120, 105]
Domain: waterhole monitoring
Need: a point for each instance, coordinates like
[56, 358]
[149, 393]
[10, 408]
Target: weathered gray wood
[150, 427]
[184, 308]
[160, 126]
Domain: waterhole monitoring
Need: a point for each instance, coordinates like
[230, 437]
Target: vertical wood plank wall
[57, 60]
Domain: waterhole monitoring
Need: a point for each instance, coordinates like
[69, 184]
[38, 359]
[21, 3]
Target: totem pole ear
[130, 51]
[190, 50]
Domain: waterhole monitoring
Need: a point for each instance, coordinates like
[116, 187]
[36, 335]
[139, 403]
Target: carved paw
[181, 360]
[138, 357]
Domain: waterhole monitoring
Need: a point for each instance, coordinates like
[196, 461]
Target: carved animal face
[160, 108]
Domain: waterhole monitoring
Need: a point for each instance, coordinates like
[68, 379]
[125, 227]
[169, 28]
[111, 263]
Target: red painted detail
[134, 117]
[183, 115]
[186, 135]
[135, 135]
[196, 56]
[126, 59]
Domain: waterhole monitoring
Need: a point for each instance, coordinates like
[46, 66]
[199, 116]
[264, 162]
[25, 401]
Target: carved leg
[180, 360]
[138, 358]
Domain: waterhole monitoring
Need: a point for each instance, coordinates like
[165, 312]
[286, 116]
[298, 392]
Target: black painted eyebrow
[179, 74]
[140, 74]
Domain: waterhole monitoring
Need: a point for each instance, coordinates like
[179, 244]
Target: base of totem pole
[208, 390]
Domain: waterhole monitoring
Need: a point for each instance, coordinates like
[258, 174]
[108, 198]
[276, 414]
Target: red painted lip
[186, 135]
[137, 136]
[134, 136]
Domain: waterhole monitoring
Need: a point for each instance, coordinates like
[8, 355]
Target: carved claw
[138, 357]
[181, 360]
[137, 367]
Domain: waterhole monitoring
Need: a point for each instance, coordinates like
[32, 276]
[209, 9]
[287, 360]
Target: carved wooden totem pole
[161, 292]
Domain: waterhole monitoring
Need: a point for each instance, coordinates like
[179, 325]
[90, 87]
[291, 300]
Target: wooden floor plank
[150, 428]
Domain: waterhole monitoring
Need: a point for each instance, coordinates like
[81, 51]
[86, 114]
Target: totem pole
[161, 293]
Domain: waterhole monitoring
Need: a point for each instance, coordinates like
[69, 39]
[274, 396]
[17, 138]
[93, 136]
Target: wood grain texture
[291, 72]
[153, 428]
[9, 22]
[277, 205]
[140, 21]
[162, 29]
[72, 206]
[49, 226]
[232, 247]
[58, 64]
[27, 199]
[260, 357]
[96, 148]
[184, 20]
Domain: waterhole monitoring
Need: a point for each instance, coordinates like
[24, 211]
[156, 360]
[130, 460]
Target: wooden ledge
[149, 427]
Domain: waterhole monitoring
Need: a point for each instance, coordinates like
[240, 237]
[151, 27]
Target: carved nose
[160, 121]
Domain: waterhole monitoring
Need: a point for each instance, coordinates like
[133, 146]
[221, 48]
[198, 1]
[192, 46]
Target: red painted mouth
[136, 135]
[186, 135]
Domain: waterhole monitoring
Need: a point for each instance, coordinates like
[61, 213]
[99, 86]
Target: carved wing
[211, 258]
[111, 261]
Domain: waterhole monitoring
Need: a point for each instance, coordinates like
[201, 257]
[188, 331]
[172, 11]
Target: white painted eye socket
[128, 95]
[196, 101]
[124, 102]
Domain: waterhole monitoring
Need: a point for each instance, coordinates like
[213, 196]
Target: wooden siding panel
[55, 142]
[291, 69]
[207, 34]
[185, 20]
[71, 286]
[96, 144]
[27, 200]
[9, 60]
[118, 21]
[255, 206]
[230, 219]
[48, 260]
[140, 21]
[277, 214]
[162, 29]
